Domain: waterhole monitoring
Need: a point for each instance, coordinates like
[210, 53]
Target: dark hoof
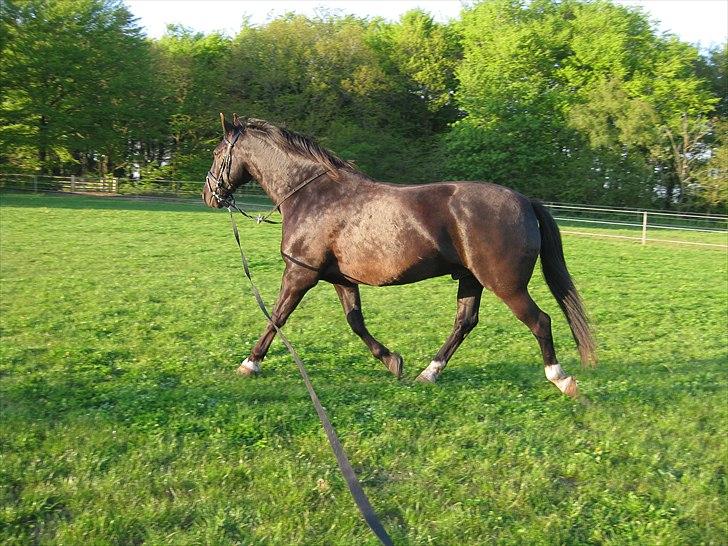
[394, 364]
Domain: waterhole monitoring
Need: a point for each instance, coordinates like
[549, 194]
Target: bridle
[229, 200]
[227, 161]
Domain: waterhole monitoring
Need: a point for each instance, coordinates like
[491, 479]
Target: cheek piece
[222, 191]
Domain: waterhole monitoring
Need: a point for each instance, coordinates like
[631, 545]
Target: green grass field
[123, 422]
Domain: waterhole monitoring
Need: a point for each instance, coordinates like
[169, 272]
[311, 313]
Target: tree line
[569, 100]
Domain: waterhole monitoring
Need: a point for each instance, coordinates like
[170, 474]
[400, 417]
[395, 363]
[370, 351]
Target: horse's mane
[301, 145]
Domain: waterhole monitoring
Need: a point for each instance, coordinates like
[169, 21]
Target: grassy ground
[123, 422]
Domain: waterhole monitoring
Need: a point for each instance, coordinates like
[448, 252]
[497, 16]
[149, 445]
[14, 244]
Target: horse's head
[229, 170]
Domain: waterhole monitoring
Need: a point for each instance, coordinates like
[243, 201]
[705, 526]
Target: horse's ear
[236, 121]
[226, 127]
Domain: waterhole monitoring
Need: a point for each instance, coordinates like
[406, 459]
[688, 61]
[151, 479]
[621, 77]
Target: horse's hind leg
[351, 302]
[539, 322]
[469, 292]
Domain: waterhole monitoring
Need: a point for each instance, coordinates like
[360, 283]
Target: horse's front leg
[296, 282]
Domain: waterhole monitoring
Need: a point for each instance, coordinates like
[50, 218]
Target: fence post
[73, 183]
[35, 183]
[644, 227]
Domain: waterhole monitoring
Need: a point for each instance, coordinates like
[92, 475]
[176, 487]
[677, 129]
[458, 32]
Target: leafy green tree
[191, 72]
[579, 101]
[662, 113]
[331, 77]
[567, 100]
[425, 55]
[712, 175]
[73, 74]
[514, 95]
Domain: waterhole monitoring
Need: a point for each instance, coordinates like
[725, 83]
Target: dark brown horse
[342, 227]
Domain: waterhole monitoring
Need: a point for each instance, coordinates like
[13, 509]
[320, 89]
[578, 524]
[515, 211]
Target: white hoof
[429, 374]
[248, 367]
[566, 383]
[568, 386]
[424, 378]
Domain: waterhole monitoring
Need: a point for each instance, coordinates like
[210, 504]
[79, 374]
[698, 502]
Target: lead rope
[347, 471]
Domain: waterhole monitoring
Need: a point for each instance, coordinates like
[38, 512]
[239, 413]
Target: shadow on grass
[214, 405]
[183, 402]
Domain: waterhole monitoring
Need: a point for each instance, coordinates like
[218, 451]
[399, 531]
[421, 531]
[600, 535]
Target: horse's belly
[382, 276]
[385, 242]
[386, 263]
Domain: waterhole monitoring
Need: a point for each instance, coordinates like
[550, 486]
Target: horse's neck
[279, 173]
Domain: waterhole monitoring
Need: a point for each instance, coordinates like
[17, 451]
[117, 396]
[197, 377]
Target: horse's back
[398, 234]
[495, 212]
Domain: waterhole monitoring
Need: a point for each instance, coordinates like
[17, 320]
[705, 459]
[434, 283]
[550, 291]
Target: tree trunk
[670, 185]
[42, 143]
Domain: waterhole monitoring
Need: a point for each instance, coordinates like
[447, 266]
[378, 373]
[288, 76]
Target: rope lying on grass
[347, 471]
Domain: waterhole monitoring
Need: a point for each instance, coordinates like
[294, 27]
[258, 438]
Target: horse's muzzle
[208, 196]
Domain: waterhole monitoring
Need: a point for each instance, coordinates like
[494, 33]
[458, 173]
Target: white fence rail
[705, 230]
[638, 225]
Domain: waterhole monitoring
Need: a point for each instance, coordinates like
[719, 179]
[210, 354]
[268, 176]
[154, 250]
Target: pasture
[123, 422]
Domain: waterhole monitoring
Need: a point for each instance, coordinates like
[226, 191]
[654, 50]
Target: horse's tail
[562, 286]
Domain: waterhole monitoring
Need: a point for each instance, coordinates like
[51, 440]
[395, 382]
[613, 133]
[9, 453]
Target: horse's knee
[467, 323]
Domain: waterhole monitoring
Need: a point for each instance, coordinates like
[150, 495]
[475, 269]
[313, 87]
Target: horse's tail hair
[562, 286]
